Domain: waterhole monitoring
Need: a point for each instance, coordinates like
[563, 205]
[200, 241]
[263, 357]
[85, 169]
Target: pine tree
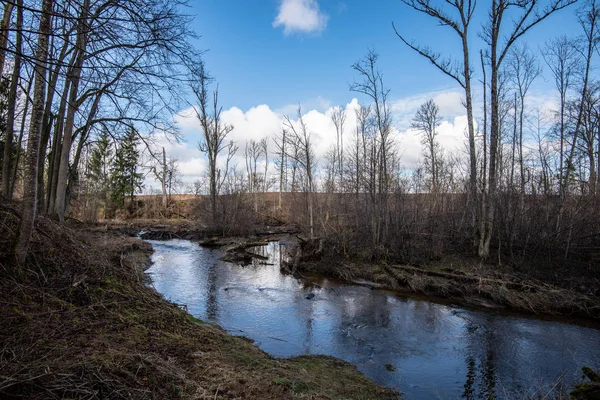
[125, 179]
[98, 170]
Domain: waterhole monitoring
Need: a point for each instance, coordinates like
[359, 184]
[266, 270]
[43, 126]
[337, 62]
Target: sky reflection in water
[438, 351]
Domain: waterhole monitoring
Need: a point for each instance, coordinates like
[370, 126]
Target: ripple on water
[425, 349]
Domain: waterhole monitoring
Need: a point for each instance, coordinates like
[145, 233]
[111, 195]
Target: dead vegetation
[78, 322]
[479, 287]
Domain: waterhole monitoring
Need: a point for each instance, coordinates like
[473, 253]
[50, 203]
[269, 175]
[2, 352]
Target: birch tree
[526, 15]
[29, 205]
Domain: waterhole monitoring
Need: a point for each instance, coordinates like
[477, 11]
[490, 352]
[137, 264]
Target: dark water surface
[436, 350]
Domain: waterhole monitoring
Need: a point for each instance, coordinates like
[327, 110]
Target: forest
[107, 85]
[89, 88]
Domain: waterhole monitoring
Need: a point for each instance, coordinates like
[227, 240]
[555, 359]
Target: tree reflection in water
[436, 350]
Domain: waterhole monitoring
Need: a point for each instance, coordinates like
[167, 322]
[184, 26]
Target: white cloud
[261, 122]
[255, 124]
[300, 16]
[450, 103]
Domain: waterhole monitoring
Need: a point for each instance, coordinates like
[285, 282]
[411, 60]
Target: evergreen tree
[125, 179]
[98, 171]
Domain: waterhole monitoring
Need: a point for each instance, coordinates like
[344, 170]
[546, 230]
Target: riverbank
[78, 322]
[475, 286]
[462, 282]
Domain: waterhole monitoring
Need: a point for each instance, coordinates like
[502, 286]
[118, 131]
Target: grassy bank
[78, 322]
[472, 285]
[460, 281]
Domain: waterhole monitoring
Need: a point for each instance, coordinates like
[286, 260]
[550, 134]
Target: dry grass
[78, 322]
[473, 287]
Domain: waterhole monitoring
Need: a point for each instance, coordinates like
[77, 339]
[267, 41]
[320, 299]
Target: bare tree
[527, 15]
[12, 100]
[589, 20]
[562, 59]
[73, 76]
[33, 141]
[338, 117]
[164, 172]
[590, 127]
[4, 24]
[214, 133]
[264, 146]
[458, 19]
[252, 153]
[301, 146]
[523, 69]
[382, 148]
[426, 121]
[281, 163]
[357, 158]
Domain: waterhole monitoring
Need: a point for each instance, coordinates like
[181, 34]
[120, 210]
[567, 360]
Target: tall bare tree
[252, 153]
[12, 101]
[458, 18]
[33, 141]
[74, 78]
[338, 117]
[589, 19]
[523, 69]
[562, 59]
[4, 31]
[426, 121]
[383, 144]
[301, 149]
[281, 163]
[215, 131]
[526, 15]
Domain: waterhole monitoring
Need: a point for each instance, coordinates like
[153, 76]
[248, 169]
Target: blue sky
[270, 55]
[256, 62]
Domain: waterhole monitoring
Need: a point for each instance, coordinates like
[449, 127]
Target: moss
[587, 390]
[293, 385]
[193, 320]
[256, 244]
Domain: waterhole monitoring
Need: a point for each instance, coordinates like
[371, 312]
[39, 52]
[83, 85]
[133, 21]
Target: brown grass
[78, 322]
[476, 286]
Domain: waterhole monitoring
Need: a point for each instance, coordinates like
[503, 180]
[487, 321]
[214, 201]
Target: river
[424, 349]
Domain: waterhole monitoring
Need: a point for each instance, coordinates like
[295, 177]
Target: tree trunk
[12, 104]
[74, 76]
[56, 149]
[484, 242]
[4, 30]
[44, 193]
[164, 179]
[35, 125]
[24, 115]
[473, 190]
[590, 51]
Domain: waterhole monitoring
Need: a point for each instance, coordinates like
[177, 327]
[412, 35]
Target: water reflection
[436, 351]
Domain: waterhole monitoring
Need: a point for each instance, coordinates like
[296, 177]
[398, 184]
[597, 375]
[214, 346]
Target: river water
[424, 349]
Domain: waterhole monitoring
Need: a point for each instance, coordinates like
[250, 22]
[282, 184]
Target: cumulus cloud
[261, 122]
[300, 16]
[450, 103]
